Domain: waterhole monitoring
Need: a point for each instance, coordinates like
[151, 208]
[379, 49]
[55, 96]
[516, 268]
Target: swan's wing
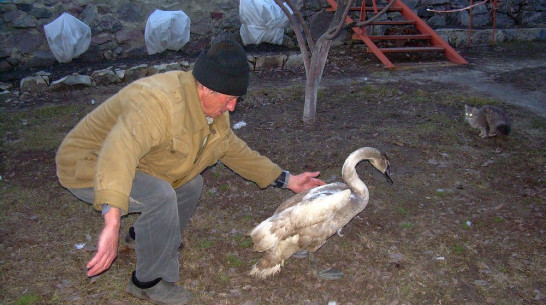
[301, 215]
[310, 194]
[328, 189]
[291, 201]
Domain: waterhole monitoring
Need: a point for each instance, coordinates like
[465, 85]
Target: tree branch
[299, 36]
[333, 32]
[363, 23]
[303, 24]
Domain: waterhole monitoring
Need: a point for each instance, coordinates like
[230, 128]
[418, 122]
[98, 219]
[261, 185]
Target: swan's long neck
[349, 170]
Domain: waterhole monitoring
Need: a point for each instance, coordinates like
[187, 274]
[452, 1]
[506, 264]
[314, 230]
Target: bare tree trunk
[319, 56]
[314, 66]
[314, 76]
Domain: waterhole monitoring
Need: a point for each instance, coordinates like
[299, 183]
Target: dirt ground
[463, 223]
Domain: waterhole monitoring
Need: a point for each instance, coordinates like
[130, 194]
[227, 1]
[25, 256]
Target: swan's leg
[301, 254]
[313, 264]
[327, 274]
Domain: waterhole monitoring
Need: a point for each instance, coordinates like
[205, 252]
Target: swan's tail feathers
[274, 258]
[264, 269]
[262, 236]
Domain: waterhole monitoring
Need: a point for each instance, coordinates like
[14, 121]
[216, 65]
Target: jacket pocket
[180, 148]
[85, 168]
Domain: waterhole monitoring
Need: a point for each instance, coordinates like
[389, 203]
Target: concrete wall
[118, 25]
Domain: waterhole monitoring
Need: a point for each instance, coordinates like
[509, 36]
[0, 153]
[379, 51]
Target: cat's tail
[503, 129]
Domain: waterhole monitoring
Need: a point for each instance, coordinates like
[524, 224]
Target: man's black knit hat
[223, 68]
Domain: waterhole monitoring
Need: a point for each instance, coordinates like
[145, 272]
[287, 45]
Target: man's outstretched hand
[304, 181]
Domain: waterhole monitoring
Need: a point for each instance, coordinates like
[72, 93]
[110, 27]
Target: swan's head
[382, 164]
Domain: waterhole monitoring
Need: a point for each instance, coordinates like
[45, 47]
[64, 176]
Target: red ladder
[434, 42]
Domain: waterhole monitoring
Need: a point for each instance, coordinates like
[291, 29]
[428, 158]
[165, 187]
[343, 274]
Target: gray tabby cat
[490, 120]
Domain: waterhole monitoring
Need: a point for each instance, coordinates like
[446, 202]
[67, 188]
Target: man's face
[214, 103]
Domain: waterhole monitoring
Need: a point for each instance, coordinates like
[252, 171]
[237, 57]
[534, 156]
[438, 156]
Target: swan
[306, 220]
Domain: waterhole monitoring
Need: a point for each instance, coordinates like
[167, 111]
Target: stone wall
[118, 25]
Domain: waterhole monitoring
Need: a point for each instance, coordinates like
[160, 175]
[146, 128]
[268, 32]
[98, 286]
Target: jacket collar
[188, 107]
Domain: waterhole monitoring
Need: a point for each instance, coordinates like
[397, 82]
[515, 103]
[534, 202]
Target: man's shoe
[161, 293]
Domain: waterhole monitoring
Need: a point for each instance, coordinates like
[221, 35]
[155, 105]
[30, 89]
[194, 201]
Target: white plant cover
[262, 21]
[67, 37]
[166, 30]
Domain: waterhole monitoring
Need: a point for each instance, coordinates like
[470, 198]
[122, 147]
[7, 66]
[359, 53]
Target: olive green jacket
[155, 125]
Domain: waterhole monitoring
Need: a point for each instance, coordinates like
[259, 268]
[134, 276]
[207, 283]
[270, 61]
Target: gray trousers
[164, 214]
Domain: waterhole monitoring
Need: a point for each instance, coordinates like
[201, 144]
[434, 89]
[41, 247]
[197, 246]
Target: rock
[5, 66]
[533, 18]
[454, 37]
[289, 43]
[25, 7]
[136, 72]
[105, 77]
[109, 55]
[30, 41]
[270, 62]
[102, 38]
[5, 86]
[70, 81]
[41, 59]
[218, 19]
[40, 12]
[130, 12]
[43, 73]
[4, 53]
[294, 61]
[134, 36]
[11, 16]
[89, 15]
[24, 21]
[437, 21]
[164, 68]
[504, 21]
[25, 96]
[107, 23]
[120, 73]
[34, 84]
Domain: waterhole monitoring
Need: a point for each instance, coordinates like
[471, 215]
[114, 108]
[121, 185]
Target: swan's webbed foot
[327, 274]
[301, 254]
[331, 274]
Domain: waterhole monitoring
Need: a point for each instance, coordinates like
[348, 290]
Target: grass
[418, 220]
[407, 225]
[28, 299]
[480, 101]
[458, 249]
[38, 128]
[205, 244]
[498, 219]
[441, 193]
[538, 123]
[235, 261]
[403, 211]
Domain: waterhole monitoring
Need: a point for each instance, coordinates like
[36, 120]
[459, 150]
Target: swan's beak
[388, 174]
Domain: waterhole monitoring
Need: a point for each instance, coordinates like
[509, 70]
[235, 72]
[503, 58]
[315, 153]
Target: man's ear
[206, 89]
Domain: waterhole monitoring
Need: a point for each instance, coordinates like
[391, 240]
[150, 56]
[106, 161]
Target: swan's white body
[306, 220]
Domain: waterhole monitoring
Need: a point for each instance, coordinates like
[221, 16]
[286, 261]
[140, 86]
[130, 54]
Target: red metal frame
[359, 33]
[435, 39]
